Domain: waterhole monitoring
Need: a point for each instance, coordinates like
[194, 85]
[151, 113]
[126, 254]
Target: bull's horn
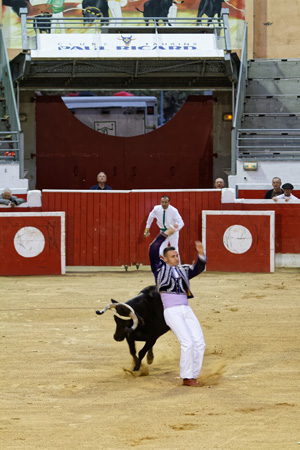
[131, 314]
[135, 321]
[104, 309]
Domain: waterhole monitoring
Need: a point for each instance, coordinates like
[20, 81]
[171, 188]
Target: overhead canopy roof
[90, 74]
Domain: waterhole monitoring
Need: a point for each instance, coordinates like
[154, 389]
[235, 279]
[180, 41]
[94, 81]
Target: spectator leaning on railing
[6, 198]
[287, 193]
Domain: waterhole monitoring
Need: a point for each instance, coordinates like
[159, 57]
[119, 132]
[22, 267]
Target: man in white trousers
[172, 281]
[165, 215]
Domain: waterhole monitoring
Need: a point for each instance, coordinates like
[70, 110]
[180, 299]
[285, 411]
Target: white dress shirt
[284, 197]
[172, 217]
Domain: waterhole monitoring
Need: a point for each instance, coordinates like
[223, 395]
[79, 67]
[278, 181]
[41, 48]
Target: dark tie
[164, 218]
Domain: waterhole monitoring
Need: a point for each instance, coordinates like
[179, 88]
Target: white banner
[126, 46]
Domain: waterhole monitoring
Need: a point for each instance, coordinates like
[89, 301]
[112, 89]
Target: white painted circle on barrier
[29, 242]
[237, 239]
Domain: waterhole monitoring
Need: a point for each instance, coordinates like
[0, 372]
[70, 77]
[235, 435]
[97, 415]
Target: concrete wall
[27, 110]
[287, 171]
[222, 136]
[9, 177]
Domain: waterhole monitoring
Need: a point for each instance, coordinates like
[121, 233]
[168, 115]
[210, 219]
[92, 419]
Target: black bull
[145, 322]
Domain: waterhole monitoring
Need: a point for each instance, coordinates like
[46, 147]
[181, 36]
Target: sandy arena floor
[63, 385]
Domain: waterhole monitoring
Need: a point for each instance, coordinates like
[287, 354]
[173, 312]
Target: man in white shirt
[287, 195]
[166, 216]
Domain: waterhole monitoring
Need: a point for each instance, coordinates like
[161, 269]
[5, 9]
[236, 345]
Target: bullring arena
[67, 384]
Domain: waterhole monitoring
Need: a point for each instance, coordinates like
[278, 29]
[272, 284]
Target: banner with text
[127, 46]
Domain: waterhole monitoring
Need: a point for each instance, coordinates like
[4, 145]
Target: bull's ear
[114, 301]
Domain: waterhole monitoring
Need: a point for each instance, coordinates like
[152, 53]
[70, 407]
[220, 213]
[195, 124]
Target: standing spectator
[287, 193]
[219, 183]
[8, 199]
[101, 186]
[276, 183]
[166, 216]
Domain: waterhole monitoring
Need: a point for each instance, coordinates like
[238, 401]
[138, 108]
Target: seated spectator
[6, 198]
[276, 183]
[101, 186]
[287, 193]
[219, 183]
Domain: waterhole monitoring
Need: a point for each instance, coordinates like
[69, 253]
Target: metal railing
[32, 26]
[239, 101]
[11, 138]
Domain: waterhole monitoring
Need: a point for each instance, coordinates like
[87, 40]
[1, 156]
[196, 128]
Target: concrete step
[273, 87]
[272, 104]
[271, 121]
[269, 154]
[271, 114]
[280, 68]
[269, 142]
[269, 132]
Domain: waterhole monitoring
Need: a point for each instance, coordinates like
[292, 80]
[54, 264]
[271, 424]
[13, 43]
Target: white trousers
[173, 240]
[186, 327]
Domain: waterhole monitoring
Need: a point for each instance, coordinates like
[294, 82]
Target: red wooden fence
[107, 228]
[259, 193]
[287, 221]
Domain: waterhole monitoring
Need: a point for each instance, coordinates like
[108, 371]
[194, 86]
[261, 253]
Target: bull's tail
[139, 10]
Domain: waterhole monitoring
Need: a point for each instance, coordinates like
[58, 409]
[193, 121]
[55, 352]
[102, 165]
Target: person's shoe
[192, 382]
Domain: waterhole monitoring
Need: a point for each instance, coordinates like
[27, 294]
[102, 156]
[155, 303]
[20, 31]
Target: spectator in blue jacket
[276, 183]
[101, 186]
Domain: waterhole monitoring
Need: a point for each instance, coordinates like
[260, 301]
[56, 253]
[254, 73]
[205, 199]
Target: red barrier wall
[287, 221]
[259, 193]
[106, 228]
[239, 241]
[32, 243]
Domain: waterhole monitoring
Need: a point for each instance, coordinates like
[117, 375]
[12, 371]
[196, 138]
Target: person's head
[219, 183]
[165, 201]
[276, 183]
[6, 194]
[287, 189]
[101, 177]
[171, 256]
